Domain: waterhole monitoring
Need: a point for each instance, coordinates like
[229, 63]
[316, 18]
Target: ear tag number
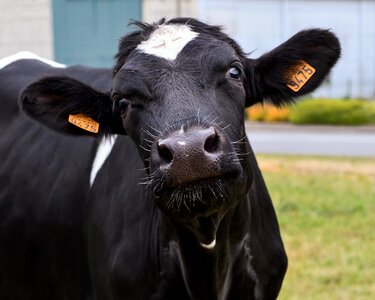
[84, 122]
[299, 75]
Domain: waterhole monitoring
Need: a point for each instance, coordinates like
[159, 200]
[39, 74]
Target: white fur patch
[27, 55]
[167, 41]
[102, 153]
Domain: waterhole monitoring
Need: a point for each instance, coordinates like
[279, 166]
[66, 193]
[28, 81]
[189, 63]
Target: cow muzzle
[190, 155]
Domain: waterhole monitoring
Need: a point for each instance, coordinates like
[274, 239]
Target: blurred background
[317, 156]
[87, 31]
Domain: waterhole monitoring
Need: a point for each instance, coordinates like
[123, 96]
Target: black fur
[51, 100]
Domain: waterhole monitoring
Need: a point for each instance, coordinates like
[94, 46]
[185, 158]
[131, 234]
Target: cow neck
[206, 273]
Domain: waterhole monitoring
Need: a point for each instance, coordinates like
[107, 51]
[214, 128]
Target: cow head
[179, 91]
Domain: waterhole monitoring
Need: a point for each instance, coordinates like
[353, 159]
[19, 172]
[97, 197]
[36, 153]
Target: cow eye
[122, 104]
[234, 72]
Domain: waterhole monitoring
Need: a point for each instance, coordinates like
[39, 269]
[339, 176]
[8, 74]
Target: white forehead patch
[167, 41]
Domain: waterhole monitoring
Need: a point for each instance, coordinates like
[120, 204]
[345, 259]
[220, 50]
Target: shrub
[268, 112]
[370, 109]
[334, 112]
[277, 114]
[317, 111]
[256, 113]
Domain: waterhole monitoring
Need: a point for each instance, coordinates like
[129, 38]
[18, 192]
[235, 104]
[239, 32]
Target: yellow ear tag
[299, 75]
[84, 122]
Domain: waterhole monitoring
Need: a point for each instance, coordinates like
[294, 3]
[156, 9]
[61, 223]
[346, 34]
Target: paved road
[312, 140]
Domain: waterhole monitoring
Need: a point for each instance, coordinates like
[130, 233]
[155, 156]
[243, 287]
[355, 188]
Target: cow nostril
[165, 154]
[27, 100]
[212, 143]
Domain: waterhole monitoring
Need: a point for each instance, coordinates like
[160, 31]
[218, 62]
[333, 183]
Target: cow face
[179, 91]
[181, 96]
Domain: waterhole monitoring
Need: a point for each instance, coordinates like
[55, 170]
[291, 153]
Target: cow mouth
[199, 206]
[205, 228]
[192, 198]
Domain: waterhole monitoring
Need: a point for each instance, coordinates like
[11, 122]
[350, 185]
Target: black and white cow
[162, 198]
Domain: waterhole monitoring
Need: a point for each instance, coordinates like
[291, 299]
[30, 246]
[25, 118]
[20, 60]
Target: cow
[139, 182]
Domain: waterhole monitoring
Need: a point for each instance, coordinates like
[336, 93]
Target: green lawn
[326, 211]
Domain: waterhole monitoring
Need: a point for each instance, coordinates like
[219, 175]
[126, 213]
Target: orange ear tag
[299, 75]
[84, 122]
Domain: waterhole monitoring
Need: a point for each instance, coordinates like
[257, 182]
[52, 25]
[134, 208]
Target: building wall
[154, 10]
[261, 25]
[26, 25]
[88, 31]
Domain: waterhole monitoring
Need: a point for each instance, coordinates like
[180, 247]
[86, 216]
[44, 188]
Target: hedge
[268, 113]
[333, 112]
[317, 111]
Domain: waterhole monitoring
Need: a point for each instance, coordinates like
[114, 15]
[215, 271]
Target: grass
[326, 211]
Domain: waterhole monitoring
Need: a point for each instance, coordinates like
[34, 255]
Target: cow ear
[70, 106]
[293, 69]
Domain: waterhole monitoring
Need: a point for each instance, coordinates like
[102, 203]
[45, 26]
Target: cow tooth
[210, 245]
